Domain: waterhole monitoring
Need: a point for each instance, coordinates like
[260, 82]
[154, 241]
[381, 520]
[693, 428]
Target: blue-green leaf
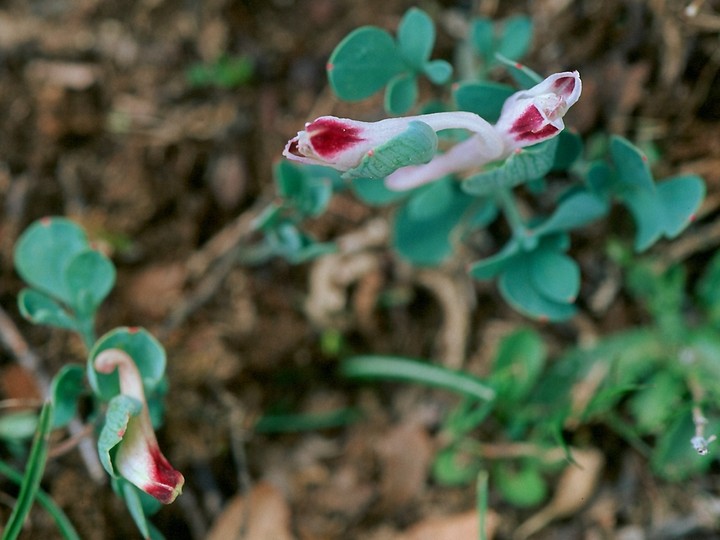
[517, 287]
[372, 191]
[147, 353]
[646, 209]
[483, 98]
[681, 198]
[401, 93]
[45, 250]
[528, 164]
[287, 241]
[432, 200]
[570, 147]
[555, 275]
[416, 145]
[416, 37]
[40, 308]
[120, 409]
[306, 189]
[438, 71]
[489, 267]
[574, 211]
[482, 38]
[599, 177]
[631, 164]
[426, 239]
[67, 386]
[90, 276]
[515, 37]
[363, 63]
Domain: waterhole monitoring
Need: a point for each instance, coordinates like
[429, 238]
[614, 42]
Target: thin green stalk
[404, 369]
[482, 503]
[33, 474]
[86, 329]
[61, 520]
[290, 423]
[510, 209]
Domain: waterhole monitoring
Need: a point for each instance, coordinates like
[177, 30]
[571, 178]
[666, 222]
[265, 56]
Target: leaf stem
[33, 474]
[481, 488]
[505, 199]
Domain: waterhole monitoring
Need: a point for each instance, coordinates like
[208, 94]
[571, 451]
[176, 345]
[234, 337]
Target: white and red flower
[535, 115]
[138, 458]
[528, 117]
[342, 143]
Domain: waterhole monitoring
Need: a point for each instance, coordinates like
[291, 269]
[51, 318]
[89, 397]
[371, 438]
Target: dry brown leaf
[204, 356]
[228, 180]
[405, 455]
[266, 518]
[454, 527]
[71, 75]
[451, 292]
[332, 275]
[574, 488]
[18, 383]
[154, 290]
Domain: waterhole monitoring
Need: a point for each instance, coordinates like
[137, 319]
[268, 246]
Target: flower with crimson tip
[138, 458]
[535, 115]
[342, 143]
[527, 117]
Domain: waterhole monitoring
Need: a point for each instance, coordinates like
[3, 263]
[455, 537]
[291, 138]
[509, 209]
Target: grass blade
[482, 503]
[64, 525]
[404, 369]
[33, 474]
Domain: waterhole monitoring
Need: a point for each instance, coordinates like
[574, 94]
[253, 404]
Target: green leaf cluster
[224, 72]
[369, 59]
[305, 193]
[660, 209]
[517, 368]
[534, 269]
[68, 280]
[509, 38]
[644, 384]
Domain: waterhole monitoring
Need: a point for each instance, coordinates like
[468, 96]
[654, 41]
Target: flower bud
[138, 458]
[342, 143]
[528, 117]
[535, 115]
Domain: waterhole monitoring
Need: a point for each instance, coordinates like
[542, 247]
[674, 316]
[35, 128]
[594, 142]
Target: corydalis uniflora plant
[528, 117]
[138, 458]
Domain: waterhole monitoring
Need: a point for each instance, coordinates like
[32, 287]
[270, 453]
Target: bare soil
[101, 124]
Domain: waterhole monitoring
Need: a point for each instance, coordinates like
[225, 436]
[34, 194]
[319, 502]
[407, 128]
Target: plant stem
[505, 198]
[481, 488]
[61, 520]
[33, 474]
[87, 331]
